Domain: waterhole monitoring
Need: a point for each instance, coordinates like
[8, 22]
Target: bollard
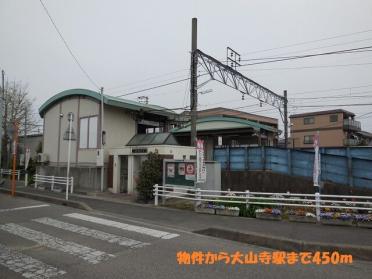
[35, 178]
[52, 187]
[67, 182]
[72, 185]
[317, 203]
[26, 179]
[156, 194]
[197, 197]
[247, 199]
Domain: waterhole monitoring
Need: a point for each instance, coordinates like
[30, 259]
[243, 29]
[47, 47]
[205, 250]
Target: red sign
[190, 169]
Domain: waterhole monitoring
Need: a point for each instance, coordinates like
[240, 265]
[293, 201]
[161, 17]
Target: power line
[331, 105]
[307, 67]
[332, 89]
[344, 51]
[309, 42]
[334, 97]
[142, 80]
[154, 87]
[68, 47]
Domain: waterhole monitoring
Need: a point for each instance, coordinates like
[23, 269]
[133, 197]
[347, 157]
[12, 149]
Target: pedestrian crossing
[123, 226]
[111, 238]
[30, 267]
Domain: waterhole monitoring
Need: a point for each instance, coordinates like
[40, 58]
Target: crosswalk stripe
[23, 207]
[27, 266]
[123, 226]
[86, 253]
[111, 238]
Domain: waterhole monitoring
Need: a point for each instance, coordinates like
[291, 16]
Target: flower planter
[337, 222]
[205, 210]
[227, 212]
[266, 216]
[302, 219]
[365, 225]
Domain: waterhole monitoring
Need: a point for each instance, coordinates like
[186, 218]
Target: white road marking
[111, 238]
[86, 253]
[23, 207]
[27, 266]
[123, 226]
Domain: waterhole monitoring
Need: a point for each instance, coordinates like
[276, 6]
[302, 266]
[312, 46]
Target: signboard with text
[179, 172]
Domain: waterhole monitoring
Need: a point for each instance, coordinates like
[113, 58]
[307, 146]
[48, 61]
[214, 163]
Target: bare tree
[18, 109]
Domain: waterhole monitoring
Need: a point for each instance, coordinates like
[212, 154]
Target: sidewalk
[275, 234]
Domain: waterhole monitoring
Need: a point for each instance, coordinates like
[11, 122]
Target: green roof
[215, 123]
[153, 139]
[108, 100]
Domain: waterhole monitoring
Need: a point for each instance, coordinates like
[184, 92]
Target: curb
[59, 201]
[286, 244]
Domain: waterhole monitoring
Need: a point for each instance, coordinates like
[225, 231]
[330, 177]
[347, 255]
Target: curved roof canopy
[223, 123]
[108, 100]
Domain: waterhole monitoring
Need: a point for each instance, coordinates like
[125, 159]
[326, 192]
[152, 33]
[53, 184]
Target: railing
[316, 201]
[53, 180]
[351, 142]
[351, 124]
[10, 172]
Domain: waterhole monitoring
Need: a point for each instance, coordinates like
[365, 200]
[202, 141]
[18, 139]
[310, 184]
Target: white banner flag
[201, 171]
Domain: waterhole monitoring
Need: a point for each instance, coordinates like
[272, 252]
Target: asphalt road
[40, 240]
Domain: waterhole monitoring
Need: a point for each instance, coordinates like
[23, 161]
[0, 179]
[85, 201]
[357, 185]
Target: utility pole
[25, 137]
[70, 120]
[102, 141]
[285, 104]
[194, 81]
[2, 102]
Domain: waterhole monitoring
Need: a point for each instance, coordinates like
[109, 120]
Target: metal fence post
[317, 204]
[247, 199]
[197, 197]
[52, 188]
[35, 177]
[19, 175]
[72, 185]
[156, 194]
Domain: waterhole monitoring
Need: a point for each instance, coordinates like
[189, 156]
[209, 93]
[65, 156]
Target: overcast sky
[127, 46]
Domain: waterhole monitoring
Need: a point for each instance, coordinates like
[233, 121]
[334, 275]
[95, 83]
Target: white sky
[124, 43]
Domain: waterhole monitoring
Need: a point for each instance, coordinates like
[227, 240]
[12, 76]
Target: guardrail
[317, 201]
[53, 180]
[10, 172]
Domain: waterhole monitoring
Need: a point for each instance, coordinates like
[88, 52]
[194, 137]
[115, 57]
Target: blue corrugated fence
[350, 166]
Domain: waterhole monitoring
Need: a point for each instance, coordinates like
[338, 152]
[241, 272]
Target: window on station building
[88, 135]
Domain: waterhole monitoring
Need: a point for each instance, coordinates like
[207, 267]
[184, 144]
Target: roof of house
[153, 139]
[347, 113]
[221, 111]
[223, 123]
[108, 100]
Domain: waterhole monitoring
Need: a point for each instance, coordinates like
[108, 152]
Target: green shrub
[150, 174]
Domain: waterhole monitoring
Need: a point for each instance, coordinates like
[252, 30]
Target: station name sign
[139, 150]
